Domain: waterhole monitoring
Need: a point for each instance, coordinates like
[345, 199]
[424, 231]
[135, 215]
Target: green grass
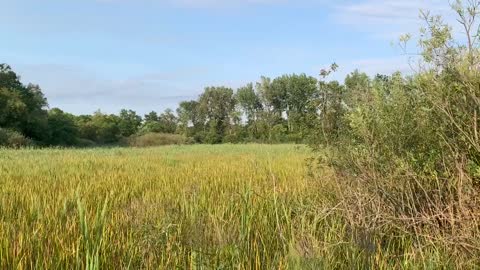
[185, 207]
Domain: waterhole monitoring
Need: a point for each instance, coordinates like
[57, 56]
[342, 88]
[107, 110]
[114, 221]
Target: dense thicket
[406, 149]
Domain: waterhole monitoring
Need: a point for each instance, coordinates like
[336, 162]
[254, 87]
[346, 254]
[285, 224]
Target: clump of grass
[91, 237]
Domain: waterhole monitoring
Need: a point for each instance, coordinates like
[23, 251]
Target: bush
[408, 163]
[155, 139]
[10, 138]
[409, 166]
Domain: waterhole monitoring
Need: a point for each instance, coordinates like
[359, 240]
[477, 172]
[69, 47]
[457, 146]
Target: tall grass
[186, 207]
[155, 139]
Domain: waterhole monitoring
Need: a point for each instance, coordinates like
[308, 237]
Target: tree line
[280, 110]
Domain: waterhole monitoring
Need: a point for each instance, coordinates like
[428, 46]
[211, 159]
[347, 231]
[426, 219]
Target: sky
[151, 54]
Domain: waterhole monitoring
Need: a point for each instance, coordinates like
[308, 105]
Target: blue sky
[150, 54]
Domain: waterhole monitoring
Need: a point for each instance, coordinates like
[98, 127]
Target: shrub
[409, 161]
[409, 167]
[155, 139]
[10, 138]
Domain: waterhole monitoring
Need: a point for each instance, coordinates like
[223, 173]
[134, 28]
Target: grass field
[178, 207]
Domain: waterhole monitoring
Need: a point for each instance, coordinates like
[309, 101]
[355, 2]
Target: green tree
[249, 102]
[216, 105]
[189, 118]
[62, 128]
[151, 117]
[23, 108]
[168, 121]
[301, 92]
[270, 115]
[129, 122]
[106, 128]
[8, 78]
[35, 124]
[331, 110]
[12, 109]
[357, 85]
[86, 127]
[150, 123]
[276, 95]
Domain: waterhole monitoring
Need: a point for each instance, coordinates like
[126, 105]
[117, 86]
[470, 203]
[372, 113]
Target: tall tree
[23, 107]
[168, 121]
[129, 122]
[106, 127]
[217, 104]
[86, 127]
[357, 85]
[151, 117]
[8, 78]
[62, 128]
[12, 108]
[189, 119]
[249, 101]
[301, 91]
[276, 95]
[331, 107]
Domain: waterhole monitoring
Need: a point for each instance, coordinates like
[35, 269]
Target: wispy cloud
[83, 90]
[384, 65]
[387, 18]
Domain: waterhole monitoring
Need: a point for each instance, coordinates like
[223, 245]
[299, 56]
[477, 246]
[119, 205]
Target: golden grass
[164, 207]
[185, 207]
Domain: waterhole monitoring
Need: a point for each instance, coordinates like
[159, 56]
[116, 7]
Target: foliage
[62, 128]
[129, 122]
[408, 153]
[285, 109]
[106, 127]
[22, 108]
[167, 122]
[216, 105]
